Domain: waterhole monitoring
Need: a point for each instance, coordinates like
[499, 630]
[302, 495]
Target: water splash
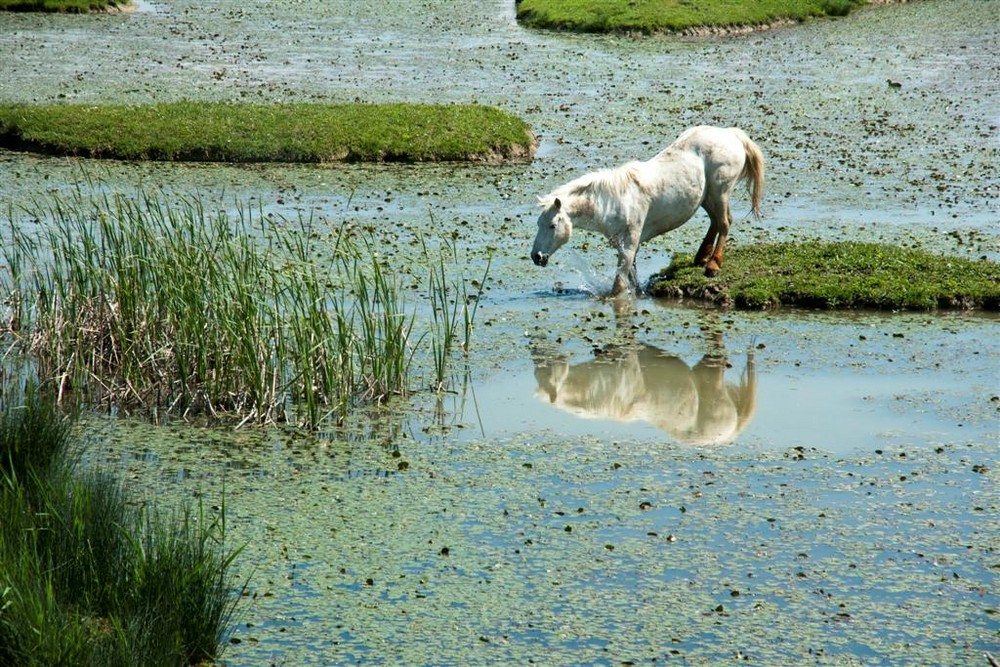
[582, 274]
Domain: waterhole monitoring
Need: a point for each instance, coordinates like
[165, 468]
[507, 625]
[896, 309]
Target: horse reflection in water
[694, 405]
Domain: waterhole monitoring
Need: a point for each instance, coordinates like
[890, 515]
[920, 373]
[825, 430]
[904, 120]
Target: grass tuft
[836, 275]
[68, 6]
[162, 307]
[33, 442]
[90, 577]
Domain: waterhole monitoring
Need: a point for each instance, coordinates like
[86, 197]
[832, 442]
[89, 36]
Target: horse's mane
[600, 187]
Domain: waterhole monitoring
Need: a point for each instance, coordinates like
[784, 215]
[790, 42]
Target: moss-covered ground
[836, 275]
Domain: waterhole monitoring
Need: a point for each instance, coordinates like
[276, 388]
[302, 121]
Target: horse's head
[554, 229]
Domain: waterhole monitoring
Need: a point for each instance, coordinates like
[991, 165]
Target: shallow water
[543, 508]
[848, 155]
[839, 384]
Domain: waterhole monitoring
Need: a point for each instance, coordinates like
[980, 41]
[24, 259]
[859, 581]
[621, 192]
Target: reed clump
[88, 576]
[68, 6]
[157, 305]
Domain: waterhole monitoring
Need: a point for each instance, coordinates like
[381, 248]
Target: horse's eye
[552, 225]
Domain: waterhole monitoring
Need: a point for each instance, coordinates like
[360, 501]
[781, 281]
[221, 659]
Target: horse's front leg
[626, 278]
[622, 285]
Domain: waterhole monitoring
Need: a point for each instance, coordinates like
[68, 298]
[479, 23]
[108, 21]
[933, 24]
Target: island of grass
[294, 132]
[68, 6]
[836, 275]
[670, 16]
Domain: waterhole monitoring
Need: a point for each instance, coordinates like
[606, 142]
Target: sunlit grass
[650, 16]
[163, 307]
[292, 132]
[836, 275]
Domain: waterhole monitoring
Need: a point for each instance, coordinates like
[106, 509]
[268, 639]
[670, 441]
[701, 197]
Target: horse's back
[719, 144]
[721, 150]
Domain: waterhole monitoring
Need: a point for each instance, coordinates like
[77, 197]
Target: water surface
[543, 508]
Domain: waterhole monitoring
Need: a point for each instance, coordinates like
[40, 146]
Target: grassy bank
[646, 16]
[70, 6]
[301, 132]
[89, 576]
[836, 275]
[153, 305]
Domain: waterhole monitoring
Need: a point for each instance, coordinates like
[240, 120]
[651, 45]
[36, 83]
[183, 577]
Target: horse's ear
[557, 204]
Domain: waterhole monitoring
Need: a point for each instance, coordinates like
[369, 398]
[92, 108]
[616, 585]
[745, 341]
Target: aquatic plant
[32, 442]
[451, 306]
[88, 576]
[157, 305]
[70, 6]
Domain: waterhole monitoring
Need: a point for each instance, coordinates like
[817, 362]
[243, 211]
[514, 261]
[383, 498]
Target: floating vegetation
[159, 305]
[585, 551]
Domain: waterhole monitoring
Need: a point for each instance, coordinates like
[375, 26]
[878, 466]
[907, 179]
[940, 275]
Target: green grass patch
[91, 576]
[836, 275]
[301, 132]
[69, 6]
[654, 16]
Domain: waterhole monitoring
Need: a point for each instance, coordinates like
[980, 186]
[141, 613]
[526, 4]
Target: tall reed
[158, 304]
[452, 305]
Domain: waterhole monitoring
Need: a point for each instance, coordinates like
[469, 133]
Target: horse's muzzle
[539, 258]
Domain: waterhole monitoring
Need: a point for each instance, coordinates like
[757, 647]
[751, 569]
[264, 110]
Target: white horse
[640, 200]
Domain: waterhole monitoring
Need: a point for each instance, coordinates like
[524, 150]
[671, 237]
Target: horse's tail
[753, 170]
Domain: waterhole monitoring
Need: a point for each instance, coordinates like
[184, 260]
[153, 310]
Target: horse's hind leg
[707, 246]
[713, 248]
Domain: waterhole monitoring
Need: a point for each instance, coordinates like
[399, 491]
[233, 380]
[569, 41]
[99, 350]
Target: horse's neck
[606, 213]
[584, 212]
